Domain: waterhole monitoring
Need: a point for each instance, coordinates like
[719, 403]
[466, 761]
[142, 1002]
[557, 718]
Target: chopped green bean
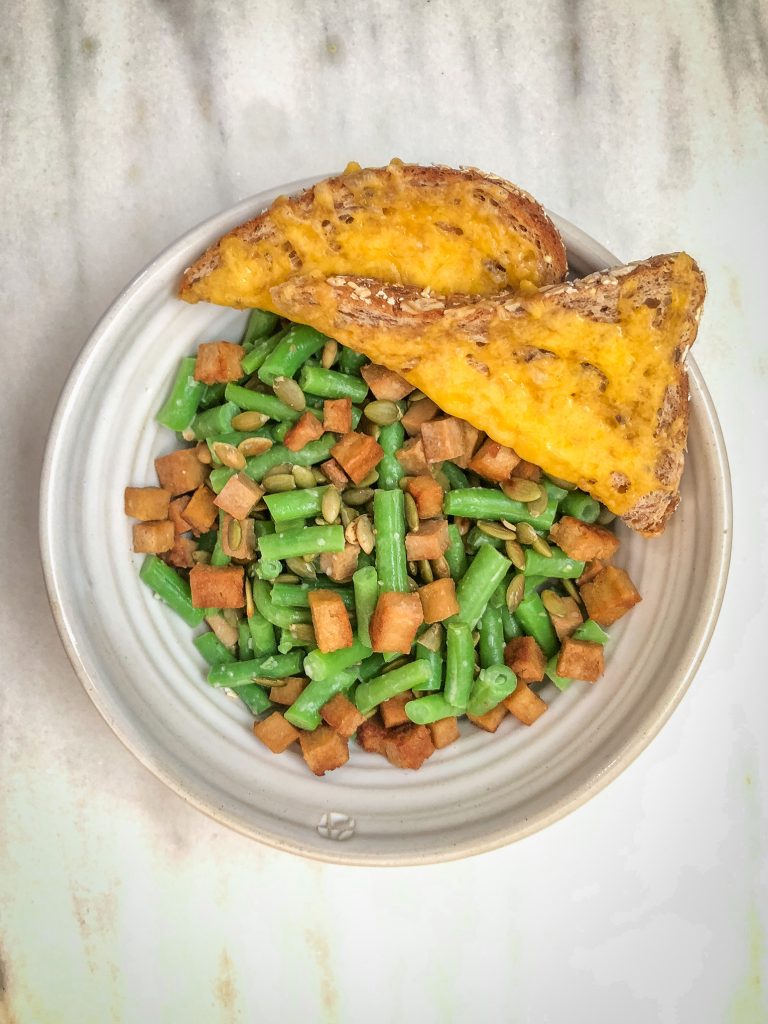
[257, 401]
[292, 351]
[391, 440]
[457, 478]
[332, 384]
[302, 503]
[580, 506]
[304, 713]
[591, 632]
[296, 595]
[555, 566]
[181, 405]
[259, 352]
[217, 420]
[431, 708]
[435, 660]
[485, 573]
[262, 635]
[318, 665]
[315, 451]
[277, 616]
[492, 685]
[561, 682]
[244, 642]
[455, 554]
[485, 503]
[213, 394]
[491, 645]
[171, 588]
[261, 324]
[389, 522]
[366, 588]
[239, 673]
[535, 622]
[459, 663]
[254, 698]
[212, 649]
[312, 540]
[374, 692]
[351, 361]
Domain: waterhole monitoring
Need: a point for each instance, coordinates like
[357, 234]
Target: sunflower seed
[330, 505]
[411, 512]
[369, 480]
[515, 554]
[539, 506]
[495, 530]
[425, 571]
[278, 482]
[303, 476]
[280, 468]
[412, 568]
[541, 547]
[440, 568]
[330, 351]
[515, 591]
[365, 535]
[249, 420]
[526, 533]
[554, 603]
[305, 570]
[203, 453]
[350, 533]
[357, 495]
[382, 412]
[413, 586]
[286, 577]
[254, 446]
[432, 637]
[521, 490]
[250, 607]
[289, 392]
[228, 455]
[606, 516]
[234, 534]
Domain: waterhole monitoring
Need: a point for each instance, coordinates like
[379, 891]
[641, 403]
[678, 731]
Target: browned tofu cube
[238, 496]
[430, 541]
[181, 471]
[217, 586]
[324, 749]
[491, 720]
[526, 659]
[181, 553]
[571, 619]
[335, 474]
[307, 428]
[443, 439]
[337, 415]
[428, 495]
[579, 659]
[494, 461]
[527, 471]
[340, 565]
[417, 414]
[392, 711]
[584, 541]
[412, 458]
[357, 454]
[385, 383]
[201, 511]
[524, 704]
[176, 514]
[238, 538]
[438, 600]
[408, 746]
[342, 715]
[333, 630]
[471, 441]
[218, 362]
[591, 569]
[444, 732]
[371, 735]
[288, 691]
[275, 733]
[153, 538]
[610, 595]
[147, 503]
[394, 622]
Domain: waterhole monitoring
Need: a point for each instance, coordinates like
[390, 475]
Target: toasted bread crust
[596, 299]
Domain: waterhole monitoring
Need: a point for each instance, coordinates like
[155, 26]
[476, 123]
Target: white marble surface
[121, 125]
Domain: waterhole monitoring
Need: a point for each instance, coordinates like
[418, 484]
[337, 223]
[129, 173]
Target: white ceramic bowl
[137, 662]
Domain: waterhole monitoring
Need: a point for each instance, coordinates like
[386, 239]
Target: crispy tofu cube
[181, 553]
[417, 414]
[217, 586]
[392, 711]
[524, 704]
[412, 458]
[333, 630]
[584, 541]
[218, 362]
[342, 715]
[307, 428]
[275, 733]
[394, 622]
[181, 471]
[430, 541]
[526, 659]
[335, 474]
[527, 471]
[443, 439]
[385, 383]
[579, 659]
[340, 565]
[428, 495]
[238, 496]
[571, 620]
[201, 510]
[471, 440]
[153, 538]
[147, 503]
[337, 415]
[288, 691]
[438, 600]
[491, 720]
[176, 514]
[610, 595]
[408, 746]
[244, 536]
[371, 735]
[591, 569]
[494, 461]
[357, 454]
[444, 732]
[324, 749]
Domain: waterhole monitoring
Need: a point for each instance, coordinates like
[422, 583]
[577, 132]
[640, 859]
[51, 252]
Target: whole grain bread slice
[439, 227]
[585, 378]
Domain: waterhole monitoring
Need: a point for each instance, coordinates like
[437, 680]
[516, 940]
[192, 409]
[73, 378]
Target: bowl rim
[625, 755]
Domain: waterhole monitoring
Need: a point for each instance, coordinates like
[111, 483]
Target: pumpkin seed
[440, 568]
[278, 482]
[541, 547]
[397, 663]
[234, 534]
[558, 482]
[263, 681]
[279, 469]
[475, 638]
[330, 505]
[358, 495]
[526, 533]
[521, 490]
[425, 571]
[432, 637]
[512, 527]
[539, 506]
[441, 478]
[515, 554]
[289, 392]
[249, 420]
[606, 516]
[302, 631]
[250, 607]
[411, 512]
[201, 557]
[413, 586]
[412, 568]
[225, 630]
[382, 412]
[369, 480]
[515, 592]
[347, 515]
[462, 524]
[302, 568]
[303, 476]
[228, 455]
[350, 533]
[365, 535]
[495, 530]
[254, 446]
[572, 590]
[319, 475]
[203, 453]
[365, 426]
[260, 506]
[286, 577]
[554, 603]
[250, 571]
[402, 483]
[232, 616]
[416, 396]
[330, 351]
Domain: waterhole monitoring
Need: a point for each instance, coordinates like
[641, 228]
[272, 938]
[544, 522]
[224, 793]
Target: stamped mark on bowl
[333, 825]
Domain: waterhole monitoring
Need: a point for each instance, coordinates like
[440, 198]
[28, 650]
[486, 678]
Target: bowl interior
[137, 661]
